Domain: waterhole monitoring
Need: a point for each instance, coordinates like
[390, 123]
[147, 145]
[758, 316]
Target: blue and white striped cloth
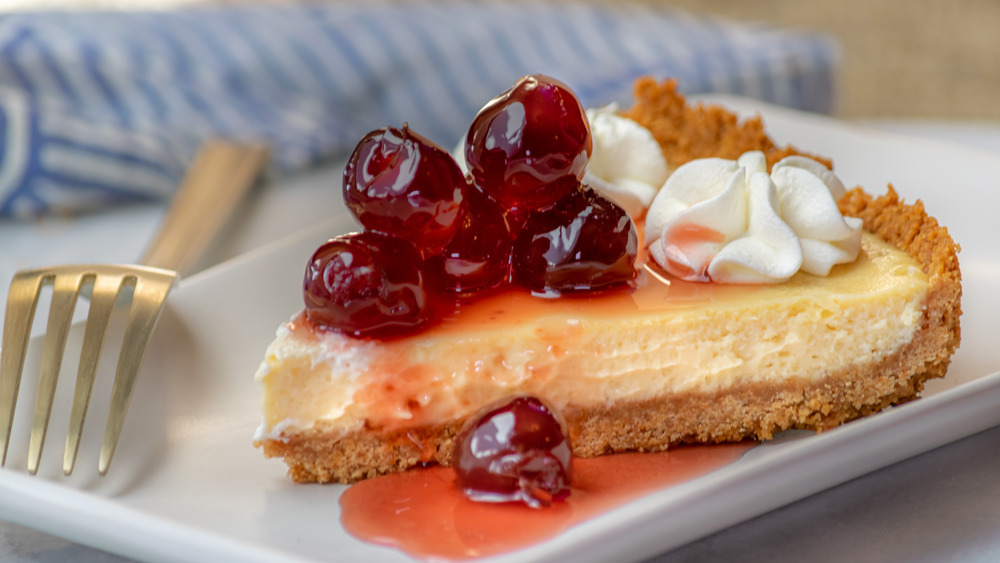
[98, 108]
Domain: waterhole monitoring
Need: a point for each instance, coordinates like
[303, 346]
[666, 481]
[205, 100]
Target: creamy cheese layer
[662, 338]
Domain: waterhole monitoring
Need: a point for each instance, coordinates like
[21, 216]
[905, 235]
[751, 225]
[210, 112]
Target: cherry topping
[431, 236]
[367, 285]
[529, 146]
[514, 450]
[585, 242]
[516, 218]
[402, 184]
[478, 257]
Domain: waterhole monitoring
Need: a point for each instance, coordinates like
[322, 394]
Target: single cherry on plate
[478, 257]
[529, 147]
[367, 285]
[515, 450]
[585, 242]
[399, 183]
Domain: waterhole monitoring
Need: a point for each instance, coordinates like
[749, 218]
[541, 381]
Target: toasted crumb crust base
[738, 412]
[689, 131]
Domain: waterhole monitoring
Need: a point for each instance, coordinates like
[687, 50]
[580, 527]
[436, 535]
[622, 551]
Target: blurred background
[935, 59]
[925, 59]
[122, 92]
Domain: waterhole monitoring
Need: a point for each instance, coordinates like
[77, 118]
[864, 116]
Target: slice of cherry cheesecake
[660, 275]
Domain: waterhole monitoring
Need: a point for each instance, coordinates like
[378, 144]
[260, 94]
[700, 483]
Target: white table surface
[943, 505]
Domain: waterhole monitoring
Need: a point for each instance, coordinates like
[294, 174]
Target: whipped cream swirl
[626, 163]
[730, 221]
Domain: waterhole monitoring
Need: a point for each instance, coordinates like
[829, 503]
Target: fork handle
[219, 177]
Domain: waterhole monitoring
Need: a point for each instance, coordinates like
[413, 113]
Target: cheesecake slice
[645, 366]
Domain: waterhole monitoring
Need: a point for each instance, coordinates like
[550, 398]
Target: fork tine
[20, 313]
[65, 290]
[147, 302]
[216, 182]
[102, 303]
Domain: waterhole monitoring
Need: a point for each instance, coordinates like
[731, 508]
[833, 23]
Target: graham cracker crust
[686, 132]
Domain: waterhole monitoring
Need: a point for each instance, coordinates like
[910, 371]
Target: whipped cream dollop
[626, 164]
[730, 221]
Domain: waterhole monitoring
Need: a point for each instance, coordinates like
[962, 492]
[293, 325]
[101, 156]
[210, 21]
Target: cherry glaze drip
[422, 513]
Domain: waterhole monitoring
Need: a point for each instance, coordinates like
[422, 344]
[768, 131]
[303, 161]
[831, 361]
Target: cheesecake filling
[667, 336]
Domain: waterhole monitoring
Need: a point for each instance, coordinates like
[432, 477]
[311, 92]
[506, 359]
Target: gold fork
[217, 180]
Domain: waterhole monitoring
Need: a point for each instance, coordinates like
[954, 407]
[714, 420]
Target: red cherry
[529, 146]
[367, 285]
[478, 257]
[516, 218]
[515, 450]
[400, 183]
[585, 242]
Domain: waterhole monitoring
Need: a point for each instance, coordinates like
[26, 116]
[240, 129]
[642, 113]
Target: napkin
[105, 108]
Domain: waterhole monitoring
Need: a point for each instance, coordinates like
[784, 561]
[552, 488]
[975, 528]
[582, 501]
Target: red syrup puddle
[423, 513]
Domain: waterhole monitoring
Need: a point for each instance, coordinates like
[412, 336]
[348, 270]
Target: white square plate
[187, 485]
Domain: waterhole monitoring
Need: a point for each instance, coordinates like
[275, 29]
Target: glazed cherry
[399, 183]
[516, 450]
[585, 242]
[529, 147]
[367, 285]
[516, 217]
[478, 257]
